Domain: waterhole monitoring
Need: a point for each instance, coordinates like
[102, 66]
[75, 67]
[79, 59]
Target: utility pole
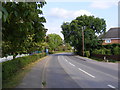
[83, 28]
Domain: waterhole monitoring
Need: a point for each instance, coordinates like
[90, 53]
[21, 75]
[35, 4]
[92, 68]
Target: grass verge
[15, 80]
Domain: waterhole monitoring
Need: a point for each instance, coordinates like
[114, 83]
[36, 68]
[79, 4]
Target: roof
[111, 33]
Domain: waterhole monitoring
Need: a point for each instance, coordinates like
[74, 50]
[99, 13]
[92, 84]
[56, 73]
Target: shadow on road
[71, 55]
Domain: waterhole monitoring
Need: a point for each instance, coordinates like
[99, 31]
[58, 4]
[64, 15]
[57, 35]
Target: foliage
[12, 66]
[116, 50]
[99, 51]
[67, 45]
[87, 53]
[23, 29]
[64, 47]
[110, 49]
[3, 12]
[108, 52]
[102, 51]
[54, 41]
[43, 46]
[73, 32]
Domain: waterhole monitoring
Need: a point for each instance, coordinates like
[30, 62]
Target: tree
[64, 47]
[68, 47]
[73, 32]
[23, 28]
[54, 41]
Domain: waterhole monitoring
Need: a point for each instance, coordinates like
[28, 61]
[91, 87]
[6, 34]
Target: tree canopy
[54, 41]
[22, 28]
[73, 32]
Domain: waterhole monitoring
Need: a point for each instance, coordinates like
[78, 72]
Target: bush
[99, 51]
[95, 51]
[102, 51]
[107, 52]
[116, 50]
[51, 52]
[87, 53]
[9, 68]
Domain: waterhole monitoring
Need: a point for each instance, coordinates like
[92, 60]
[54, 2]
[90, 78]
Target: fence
[107, 57]
[11, 57]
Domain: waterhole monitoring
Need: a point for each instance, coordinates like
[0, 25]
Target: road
[69, 71]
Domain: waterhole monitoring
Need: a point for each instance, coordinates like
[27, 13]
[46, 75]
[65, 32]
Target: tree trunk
[14, 55]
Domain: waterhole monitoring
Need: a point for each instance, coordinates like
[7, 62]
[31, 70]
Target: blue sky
[58, 12]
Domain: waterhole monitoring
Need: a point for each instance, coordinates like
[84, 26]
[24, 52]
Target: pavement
[33, 79]
[69, 71]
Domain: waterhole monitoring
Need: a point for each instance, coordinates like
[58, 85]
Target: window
[108, 41]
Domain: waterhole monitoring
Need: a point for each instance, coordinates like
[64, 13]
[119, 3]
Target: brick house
[112, 36]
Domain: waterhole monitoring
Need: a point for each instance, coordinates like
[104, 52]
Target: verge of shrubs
[87, 53]
[107, 52]
[9, 68]
[110, 51]
[113, 49]
[102, 51]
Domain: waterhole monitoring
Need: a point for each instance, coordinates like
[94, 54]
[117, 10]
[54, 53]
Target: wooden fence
[107, 57]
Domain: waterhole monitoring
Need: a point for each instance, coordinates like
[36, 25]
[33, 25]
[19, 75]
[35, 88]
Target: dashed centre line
[86, 73]
[110, 86]
[71, 64]
[66, 60]
[81, 69]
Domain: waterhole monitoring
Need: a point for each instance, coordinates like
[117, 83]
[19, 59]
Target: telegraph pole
[83, 28]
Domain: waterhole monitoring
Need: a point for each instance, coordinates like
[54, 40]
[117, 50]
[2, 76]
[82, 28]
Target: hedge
[111, 51]
[108, 57]
[116, 50]
[9, 68]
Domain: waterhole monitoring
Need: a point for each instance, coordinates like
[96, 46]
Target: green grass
[15, 80]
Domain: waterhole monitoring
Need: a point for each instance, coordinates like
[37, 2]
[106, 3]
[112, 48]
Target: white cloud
[62, 13]
[81, 12]
[59, 12]
[80, 0]
[103, 4]
[56, 30]
[58, 15]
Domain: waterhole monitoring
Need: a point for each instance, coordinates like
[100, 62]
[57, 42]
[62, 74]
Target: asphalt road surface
[69, 71]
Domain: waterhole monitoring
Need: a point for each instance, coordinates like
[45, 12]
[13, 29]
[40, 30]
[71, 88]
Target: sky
[58, 11]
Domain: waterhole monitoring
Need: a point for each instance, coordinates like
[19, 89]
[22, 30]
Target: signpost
[47, 51]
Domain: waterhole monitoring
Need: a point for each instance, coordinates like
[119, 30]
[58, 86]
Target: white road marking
[86, 73]
[71, 64]
[66, 60]
[110, 86]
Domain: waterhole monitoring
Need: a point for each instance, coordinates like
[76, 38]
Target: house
[112, 36]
